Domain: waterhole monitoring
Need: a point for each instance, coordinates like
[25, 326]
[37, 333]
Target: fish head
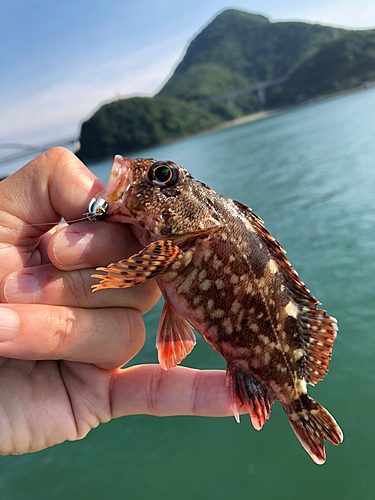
[160, 197]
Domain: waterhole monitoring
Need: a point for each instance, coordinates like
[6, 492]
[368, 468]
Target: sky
[61, 59]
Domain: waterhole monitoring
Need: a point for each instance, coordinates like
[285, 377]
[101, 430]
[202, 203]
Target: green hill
[341, 64]
[238, 49]
[128, 124]
[234, 51]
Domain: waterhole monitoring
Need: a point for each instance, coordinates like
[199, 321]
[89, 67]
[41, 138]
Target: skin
[61, 346]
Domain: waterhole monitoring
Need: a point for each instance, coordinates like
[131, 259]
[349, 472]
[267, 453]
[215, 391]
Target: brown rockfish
[224, 275]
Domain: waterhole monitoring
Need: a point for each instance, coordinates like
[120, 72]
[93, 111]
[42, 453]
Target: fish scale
[224, 275]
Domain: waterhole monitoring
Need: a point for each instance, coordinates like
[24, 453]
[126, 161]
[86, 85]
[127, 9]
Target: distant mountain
[343, 63]
[238, 49]
[233, 52]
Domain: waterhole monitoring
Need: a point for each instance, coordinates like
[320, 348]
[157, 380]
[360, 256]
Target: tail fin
[313, 425]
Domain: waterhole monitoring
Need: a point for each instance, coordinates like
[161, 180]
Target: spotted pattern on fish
[224, 275]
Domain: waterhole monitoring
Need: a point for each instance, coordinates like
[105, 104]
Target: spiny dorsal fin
[318, 330]
[275, 248]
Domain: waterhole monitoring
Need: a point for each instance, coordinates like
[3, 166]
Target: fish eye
[162, 173]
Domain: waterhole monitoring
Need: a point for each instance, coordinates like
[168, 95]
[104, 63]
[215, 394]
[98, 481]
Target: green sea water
[310, 175]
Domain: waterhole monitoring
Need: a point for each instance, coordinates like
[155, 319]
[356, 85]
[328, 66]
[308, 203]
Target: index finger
[55, 184]
[150, 390]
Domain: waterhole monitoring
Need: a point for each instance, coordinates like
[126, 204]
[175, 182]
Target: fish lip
[115, 192]
[120, 180]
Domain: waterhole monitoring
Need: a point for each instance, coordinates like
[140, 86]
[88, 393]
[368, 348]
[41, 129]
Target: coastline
[253, 117]
[261, 115]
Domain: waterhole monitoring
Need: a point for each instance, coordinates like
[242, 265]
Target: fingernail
[70, 247]
[22, 288]
[9, 324]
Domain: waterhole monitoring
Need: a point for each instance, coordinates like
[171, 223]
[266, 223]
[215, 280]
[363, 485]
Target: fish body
[224, 275]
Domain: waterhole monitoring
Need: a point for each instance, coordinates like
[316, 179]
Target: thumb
[53, 185]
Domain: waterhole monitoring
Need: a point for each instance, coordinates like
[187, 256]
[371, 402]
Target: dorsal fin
[275, 248]
[319, 333]
[318, 330]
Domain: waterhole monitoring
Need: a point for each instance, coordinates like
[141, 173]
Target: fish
[222, 274]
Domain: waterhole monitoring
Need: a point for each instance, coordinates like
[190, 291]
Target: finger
[52, 185]
[55, 184]
[50, 286]
[91, 244]
[108, 338]
[150, 390]
[44, 241]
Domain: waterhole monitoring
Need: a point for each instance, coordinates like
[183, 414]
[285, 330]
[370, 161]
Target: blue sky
[60, 59]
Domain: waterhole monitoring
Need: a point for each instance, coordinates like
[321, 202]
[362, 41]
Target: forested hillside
[139, 122]
[234, 51]
[238, 49]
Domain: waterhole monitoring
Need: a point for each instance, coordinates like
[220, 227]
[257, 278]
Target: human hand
[61, 346]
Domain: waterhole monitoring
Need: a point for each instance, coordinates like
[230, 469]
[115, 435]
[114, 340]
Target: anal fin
[175, 338]
[248, 393]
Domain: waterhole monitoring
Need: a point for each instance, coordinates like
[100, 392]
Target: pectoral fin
[157, 259]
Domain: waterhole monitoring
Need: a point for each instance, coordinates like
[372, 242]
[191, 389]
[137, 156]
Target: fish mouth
[119, 181]
[114, 194]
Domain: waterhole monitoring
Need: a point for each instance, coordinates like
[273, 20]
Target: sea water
[309, 174]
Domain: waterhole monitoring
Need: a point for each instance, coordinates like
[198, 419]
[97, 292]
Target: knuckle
[151, 296]
[195, 402]
[57, 153]
[124, 336]
[135, 335]
[153, 393]
[77, 288]
[52, 158]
